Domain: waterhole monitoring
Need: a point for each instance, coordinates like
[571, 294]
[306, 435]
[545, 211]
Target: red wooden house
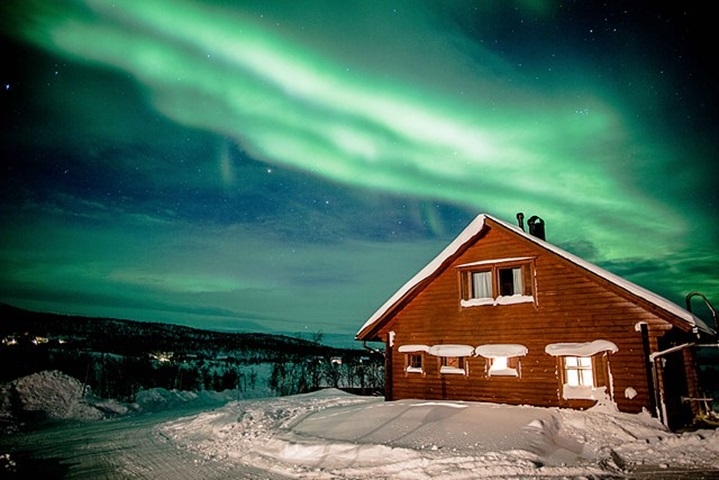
[500, 315]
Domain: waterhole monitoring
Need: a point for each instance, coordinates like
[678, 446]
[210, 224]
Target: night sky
[285, 166]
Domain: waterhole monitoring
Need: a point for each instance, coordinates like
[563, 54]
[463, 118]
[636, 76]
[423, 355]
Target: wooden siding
[569, 306]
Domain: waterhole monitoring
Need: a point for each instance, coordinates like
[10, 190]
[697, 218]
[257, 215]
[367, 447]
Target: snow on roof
[501, 350]
[494, 261]
[586, 349]
[477, 225]
[633, 288]
[471, 230]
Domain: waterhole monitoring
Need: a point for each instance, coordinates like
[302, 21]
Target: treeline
[118, 358]
[362, 374]
[110, 375]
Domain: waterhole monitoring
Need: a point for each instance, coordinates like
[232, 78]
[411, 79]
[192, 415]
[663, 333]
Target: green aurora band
[502, 147]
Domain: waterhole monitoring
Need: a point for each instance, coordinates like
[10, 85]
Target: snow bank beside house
[331, 434]
[334, 435]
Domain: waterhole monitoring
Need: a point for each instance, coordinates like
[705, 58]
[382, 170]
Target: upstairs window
[511, 281]
[497, 282]
[482, 285]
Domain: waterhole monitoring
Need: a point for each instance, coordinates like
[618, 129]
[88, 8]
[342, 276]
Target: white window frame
[578, 371]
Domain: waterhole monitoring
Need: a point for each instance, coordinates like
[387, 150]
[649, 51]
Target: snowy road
[116, 449]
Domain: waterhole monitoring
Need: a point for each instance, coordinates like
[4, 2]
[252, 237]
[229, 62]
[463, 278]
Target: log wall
[569, 306]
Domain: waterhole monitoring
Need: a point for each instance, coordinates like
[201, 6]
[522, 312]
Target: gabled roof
[475, 228]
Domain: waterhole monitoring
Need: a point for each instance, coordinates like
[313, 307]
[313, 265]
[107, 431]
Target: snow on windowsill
[413, 348]
[503, 372]
[580, 349]
[497, 350]
[413, 370]
[450, 350]
[502, 300]
[452, 370]
[578, 392]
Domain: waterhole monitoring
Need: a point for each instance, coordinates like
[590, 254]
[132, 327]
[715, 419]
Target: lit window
[578, 372]
[502, 359]
[500, 366]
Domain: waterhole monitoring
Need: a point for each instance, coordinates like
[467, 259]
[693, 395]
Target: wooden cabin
[501, 315]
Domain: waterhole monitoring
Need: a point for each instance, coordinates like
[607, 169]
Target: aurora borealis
[286, 166]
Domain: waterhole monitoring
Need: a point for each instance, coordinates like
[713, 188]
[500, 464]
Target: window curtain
[482, 285]
[517, 283]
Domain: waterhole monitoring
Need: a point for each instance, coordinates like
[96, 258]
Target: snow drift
[330, 434]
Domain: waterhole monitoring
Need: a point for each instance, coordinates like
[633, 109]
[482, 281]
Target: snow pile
[54, 396]
[157, 399]
[49, 395]
[333, 435]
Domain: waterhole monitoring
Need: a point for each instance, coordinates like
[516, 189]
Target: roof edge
[466, 235]
[622, 283]
[476, 226]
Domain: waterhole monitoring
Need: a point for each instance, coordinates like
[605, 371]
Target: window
[578, 371]
[415, 363]
[510, 281]
[415, 360]
[482, 285]
[583, 368]
[453, 365]
[413, 357]
[452, 357]
[502, 359]
[503, 367]
[497, 282]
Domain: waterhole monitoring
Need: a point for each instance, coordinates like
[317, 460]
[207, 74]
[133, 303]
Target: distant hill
[118, 358]
[127, 337]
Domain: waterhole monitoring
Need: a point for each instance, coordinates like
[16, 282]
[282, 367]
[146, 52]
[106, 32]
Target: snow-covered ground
[331, 434]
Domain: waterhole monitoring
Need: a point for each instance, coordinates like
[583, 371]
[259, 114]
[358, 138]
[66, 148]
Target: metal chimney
[520, 220]
[536, 227]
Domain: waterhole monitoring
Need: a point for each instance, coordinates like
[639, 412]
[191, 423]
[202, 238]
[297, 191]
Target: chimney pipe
[520, 220]
[536, 227]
